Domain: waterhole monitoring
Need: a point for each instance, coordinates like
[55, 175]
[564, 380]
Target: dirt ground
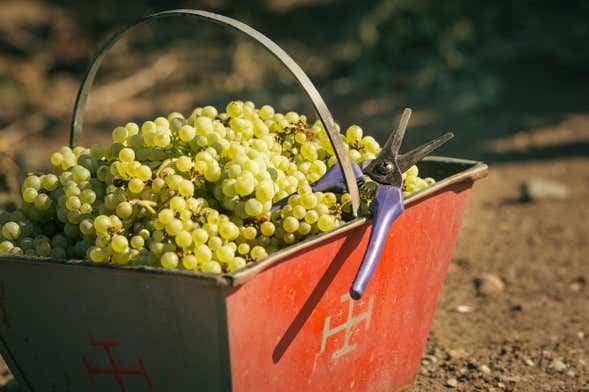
[533, 335]
[517, 339]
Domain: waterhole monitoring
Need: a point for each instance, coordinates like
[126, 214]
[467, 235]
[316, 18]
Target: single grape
[169, 260]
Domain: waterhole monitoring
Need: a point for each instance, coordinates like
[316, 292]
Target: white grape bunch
[191, 193]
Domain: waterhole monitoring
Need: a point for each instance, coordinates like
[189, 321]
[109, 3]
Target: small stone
[511, 379]
[528, 361]
[489, 284]
[457, 354]
[571, 373]
[501, 385]
[485, 369]
[578, 284]
[558, 365]
[541, 188]
[463, 309]
[452, 382]
[429, 360]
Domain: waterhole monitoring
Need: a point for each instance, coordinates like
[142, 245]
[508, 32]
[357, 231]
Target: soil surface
[533, 334]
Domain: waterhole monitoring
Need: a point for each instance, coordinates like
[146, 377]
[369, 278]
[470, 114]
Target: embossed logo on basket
[348, 326]
[114, 370]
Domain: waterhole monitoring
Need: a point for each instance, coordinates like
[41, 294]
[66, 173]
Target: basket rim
[476, 171]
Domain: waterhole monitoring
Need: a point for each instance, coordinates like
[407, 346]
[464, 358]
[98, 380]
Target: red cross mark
[114, 370]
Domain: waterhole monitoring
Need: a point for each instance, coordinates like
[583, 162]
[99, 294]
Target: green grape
[124, 210]
[203, 253]
[177, 204]
[49, 182]
[243, 249]
[32, 181]
[267, 228]
[234, 109]
[229, 231]
[266, 112]
[184, 163]
[57, 159]
[11, 231]
[119, 244]
[174, 227]
[258, 253]
[169, 260]
[211, 267]
[214, 243]
[249, 232]
[43, 202]
[16, 251]
[225, 253]
[190, 262]
[5, 247]
[309, 151]
[236, 264]
[299, 212]
[127, 155]
[326, 222]
[184, 239]
[245, 183]
[136, 185]
[200, 236]
[353, 134]
[304, 228]
[97, 255]
[137, 242]
[88, 196]
[29, 195]
[186, 188]
[119, 135]
[73, 203]
[290, 224]
[253, 207]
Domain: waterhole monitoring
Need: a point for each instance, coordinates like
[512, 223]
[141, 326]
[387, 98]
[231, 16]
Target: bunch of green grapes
[193, 193]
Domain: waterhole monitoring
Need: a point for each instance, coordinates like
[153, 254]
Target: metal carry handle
[322, 110]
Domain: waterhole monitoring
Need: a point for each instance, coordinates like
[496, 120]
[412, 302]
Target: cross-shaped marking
[114, 370]
[347, 326]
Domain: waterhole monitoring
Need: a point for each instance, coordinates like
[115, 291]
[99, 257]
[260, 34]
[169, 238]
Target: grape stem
[147, 204]
[164, 165]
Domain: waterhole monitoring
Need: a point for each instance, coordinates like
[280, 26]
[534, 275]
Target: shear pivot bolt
[384, 167]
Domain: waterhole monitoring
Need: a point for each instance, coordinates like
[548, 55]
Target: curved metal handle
[386, 206]
[322, 110]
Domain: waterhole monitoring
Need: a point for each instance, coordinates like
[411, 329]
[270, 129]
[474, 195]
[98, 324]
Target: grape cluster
[193, 193]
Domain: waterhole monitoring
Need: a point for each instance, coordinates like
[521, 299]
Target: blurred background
[509, 78]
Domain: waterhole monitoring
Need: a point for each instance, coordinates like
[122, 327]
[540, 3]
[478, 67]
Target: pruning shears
[387, 170]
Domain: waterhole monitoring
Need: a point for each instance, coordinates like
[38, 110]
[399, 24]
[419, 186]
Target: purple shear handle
[386, 206]
[331, 181]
